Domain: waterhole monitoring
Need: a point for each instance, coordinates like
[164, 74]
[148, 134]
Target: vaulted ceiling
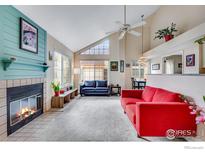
[78, 26]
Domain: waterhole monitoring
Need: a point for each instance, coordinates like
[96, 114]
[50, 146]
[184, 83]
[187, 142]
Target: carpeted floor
[83, 119]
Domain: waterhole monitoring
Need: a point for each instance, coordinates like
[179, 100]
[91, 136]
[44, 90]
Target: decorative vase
[57, 93]
[168, 37]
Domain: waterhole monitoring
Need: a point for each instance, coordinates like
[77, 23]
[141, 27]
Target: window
[57, 67]
[137, 71]
[88, 73]
[100, 49]
[62, 69]
[94, 70]
[66, 70]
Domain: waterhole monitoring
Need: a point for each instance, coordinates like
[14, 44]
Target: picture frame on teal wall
[28, 36]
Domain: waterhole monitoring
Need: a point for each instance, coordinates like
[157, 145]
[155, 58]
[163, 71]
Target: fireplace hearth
[24, 104]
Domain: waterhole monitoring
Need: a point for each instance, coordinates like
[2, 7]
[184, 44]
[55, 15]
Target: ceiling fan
[127, 28]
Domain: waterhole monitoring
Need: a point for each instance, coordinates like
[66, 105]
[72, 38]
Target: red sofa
[153, 111]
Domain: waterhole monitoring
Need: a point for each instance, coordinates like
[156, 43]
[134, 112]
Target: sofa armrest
[131, 93]
[155, 118]
[109, 89]
[81, 87]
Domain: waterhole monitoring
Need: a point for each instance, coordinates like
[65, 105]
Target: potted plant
[56, 88]
[166, 33]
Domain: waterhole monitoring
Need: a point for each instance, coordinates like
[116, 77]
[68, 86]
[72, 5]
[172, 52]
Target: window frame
[103, 48]
[139, 68]
[96, 71]
[61, 69]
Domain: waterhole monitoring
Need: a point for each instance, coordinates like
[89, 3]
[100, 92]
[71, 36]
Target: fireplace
[24, 103]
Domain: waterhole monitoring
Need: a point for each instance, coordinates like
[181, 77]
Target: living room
[102, 73]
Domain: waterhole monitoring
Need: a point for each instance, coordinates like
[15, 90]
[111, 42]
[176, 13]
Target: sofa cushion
[101, 88]
[89, 88]
[162, 95]
[127, 101]
[101, 83]
[148, 93]
[89, 83]
[131, 113]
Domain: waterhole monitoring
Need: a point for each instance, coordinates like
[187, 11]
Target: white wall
[187, 49]
[189, 85]
[128, 49]
[157, 60]
[190, 17]
[117, 53]
[191, 49]
[185, 17]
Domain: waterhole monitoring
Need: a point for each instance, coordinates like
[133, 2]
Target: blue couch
[95, 87]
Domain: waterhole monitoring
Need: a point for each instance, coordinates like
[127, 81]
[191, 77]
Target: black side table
[118, 90]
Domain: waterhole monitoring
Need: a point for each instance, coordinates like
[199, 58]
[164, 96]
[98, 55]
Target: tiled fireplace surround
[4, 84]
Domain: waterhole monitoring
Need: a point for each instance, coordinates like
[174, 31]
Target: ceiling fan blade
[137, 34]
[138, 24]
[111, 32]
[122, 34]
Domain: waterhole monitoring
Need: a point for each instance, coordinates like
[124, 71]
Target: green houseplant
[56, 88]
[166, 33]
[201, 40]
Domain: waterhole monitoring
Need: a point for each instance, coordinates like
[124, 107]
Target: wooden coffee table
[59, 101]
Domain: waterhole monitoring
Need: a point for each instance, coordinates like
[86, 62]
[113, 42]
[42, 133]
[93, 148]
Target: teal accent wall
[27, 64]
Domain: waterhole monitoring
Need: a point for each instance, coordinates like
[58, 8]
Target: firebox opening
[23, 105]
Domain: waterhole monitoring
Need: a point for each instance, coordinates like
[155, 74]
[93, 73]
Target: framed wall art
[28, 36]
[190, 60]
[114, 66]
[155, 66]
[122, 65]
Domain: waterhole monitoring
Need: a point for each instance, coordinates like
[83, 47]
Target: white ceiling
[78, 26]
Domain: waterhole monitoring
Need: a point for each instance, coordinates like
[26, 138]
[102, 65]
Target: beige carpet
[83, 119]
